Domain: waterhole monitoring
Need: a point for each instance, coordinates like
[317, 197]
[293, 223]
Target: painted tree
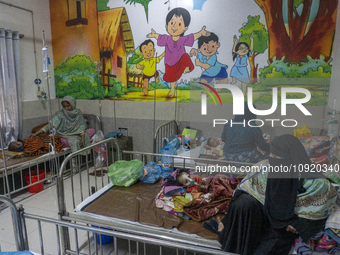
[145, 4]
[260, 35]
[300, 28]
[102, 5]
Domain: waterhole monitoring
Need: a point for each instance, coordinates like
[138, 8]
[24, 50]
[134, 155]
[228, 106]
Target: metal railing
[165, 130]
[200, 165]
[12, 177]
[86, 190]
[87, 185]
[90, 240]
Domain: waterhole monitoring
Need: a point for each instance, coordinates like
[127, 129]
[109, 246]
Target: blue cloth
[215, 66]
[252, 156]
[240, 142]
[153, 173]
[248, 115]
[21, 148]
[239, 70]
[239, 139]
[16, 253]
[220, 76]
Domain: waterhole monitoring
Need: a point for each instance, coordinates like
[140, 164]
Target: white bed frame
[137, 244]
[48, 162]
[164, 130]
[90, 184]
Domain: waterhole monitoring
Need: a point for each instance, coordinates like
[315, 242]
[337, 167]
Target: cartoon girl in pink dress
[176, 60]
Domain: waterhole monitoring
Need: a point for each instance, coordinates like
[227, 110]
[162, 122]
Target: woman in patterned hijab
[69, 124]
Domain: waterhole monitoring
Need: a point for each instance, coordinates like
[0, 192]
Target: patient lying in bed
[215, 147]
[35, 146]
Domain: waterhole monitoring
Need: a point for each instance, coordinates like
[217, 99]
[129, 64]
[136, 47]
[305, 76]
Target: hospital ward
[169, 127]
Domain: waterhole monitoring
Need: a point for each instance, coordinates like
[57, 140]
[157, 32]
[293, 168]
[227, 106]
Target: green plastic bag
[125, 173]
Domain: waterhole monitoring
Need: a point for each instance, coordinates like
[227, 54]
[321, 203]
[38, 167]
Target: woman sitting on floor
[69, 124]
[269, 210]
[244, 143]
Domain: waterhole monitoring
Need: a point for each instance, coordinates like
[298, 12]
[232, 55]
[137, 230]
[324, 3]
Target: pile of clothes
[194, 197]
[317, 148]
[321, 242]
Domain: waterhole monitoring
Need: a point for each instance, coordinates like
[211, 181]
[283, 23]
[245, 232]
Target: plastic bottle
[332, 128]
[166, 162]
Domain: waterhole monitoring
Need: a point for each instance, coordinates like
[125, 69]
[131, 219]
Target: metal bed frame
[88, 186]
[139, 243]
[51, 162]
[164, 130]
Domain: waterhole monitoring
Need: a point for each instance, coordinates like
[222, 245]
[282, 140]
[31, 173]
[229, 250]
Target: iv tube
[44, 55]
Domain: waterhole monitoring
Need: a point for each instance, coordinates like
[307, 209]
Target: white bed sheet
[193, 153]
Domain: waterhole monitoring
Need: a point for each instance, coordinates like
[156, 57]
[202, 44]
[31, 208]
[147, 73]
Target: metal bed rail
[164, 131]
[89, 240]
[87, 186]
[81, 170]
[85, 191]
[81, 166]
[93, 121]
[199, 165]
[12, 177]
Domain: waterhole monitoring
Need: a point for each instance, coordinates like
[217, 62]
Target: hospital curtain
[10, 87]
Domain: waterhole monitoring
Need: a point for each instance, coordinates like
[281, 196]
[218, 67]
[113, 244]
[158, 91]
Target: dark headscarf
[282, 188]
[248, 115]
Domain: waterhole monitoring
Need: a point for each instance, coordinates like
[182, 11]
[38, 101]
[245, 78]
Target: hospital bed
[12, 176]
[84, 236]
[171, 128]
[96, 202]
[165, 130]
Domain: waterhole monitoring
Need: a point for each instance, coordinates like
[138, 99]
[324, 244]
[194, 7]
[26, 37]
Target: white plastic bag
[100, 149]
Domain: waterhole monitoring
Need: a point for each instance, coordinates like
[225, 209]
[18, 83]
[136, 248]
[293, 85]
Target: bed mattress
[136, 204]
[18, 161]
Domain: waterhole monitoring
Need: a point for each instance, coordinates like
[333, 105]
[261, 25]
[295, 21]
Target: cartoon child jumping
[207, 59]
[241, 52]
[176, 60]
[148, 64]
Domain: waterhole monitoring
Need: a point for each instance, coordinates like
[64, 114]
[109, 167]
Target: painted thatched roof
[109, 22]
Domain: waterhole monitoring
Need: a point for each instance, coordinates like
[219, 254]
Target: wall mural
[175, 50]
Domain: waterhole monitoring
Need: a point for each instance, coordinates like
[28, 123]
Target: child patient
[16, 146]
[35, 146]
[215, 146]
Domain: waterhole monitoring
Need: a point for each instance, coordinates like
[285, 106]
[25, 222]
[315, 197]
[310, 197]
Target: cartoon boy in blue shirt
[207, 59]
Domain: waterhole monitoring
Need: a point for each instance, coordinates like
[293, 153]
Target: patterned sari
[315, 203]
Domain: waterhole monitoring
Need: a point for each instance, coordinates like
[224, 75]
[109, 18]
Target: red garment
[173, 73]
[195, 187]
[221, 189]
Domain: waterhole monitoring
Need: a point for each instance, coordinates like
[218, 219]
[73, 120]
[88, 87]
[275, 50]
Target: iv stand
[46, 71]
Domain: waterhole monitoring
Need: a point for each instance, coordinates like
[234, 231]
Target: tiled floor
[45, 204]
